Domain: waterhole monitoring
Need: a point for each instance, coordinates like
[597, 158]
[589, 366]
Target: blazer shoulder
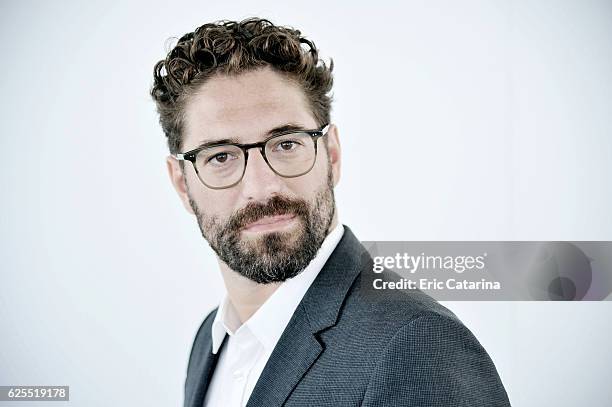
[395, 308]
[454, 369]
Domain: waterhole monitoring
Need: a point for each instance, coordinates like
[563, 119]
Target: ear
[179, 181]
[334, 152]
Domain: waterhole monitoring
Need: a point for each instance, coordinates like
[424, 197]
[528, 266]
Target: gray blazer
[345, 346]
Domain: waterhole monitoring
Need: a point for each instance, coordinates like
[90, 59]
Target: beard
[273, 256]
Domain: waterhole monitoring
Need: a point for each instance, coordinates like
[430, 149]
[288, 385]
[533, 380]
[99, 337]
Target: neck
[246, 295]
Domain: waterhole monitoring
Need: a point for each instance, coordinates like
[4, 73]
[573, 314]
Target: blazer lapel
[203, 373]
[295, 352]
[299, 346]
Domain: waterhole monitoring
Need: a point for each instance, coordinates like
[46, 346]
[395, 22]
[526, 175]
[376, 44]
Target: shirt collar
[270, 320]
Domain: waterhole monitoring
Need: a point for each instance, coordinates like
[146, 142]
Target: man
[246, 109]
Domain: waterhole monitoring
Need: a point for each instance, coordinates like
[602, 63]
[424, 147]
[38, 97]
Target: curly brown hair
[231, 48]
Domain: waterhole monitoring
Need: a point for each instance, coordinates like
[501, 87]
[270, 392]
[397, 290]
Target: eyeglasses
[289, 154]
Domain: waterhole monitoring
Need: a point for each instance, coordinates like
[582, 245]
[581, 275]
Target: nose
[259, 182]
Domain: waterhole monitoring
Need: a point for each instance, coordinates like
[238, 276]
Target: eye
[220, 158]
[287, 145]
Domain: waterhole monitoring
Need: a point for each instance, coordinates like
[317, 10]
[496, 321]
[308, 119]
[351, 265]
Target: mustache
[277, 205]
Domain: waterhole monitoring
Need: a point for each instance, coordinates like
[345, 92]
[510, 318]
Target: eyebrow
[288, 127]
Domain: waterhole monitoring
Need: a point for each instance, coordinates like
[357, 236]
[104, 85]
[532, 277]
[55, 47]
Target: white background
[477, 120]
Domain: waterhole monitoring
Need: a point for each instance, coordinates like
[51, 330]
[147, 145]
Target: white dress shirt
[250, 344]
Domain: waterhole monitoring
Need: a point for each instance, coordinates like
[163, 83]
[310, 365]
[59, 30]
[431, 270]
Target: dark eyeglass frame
[315, 135]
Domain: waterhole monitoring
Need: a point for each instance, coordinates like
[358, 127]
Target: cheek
[322, 164]
[307, 186]
[319, 173]
[215, 203]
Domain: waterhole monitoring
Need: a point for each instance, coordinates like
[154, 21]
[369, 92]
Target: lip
[270, 223]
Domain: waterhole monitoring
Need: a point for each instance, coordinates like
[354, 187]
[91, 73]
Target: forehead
[244, 107]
